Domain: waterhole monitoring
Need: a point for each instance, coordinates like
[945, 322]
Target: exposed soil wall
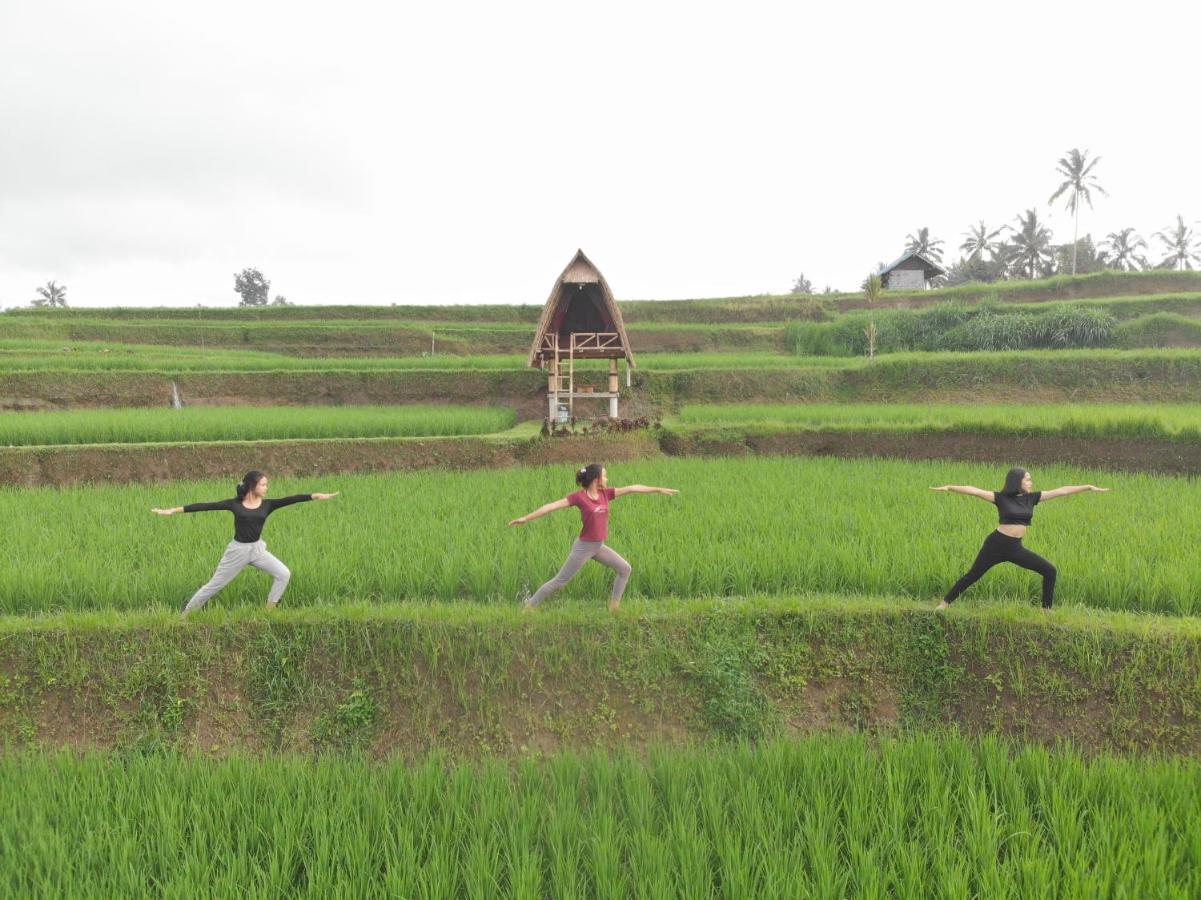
[69, 465]
[117, 464]
[481, 682]
[1134, 378]
[1163, 457]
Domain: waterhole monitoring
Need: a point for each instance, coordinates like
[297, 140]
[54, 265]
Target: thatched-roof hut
[911, 271]
[580, 321]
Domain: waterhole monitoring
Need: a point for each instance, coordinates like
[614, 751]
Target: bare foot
[943, 604]
[614, 605]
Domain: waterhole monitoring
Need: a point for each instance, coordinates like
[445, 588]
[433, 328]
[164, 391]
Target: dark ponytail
[1013, 482]
[588, 474]
[249, 480]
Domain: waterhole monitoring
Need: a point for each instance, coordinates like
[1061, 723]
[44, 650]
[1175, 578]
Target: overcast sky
[449, 153]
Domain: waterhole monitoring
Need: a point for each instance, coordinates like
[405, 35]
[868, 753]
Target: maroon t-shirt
[595, 513]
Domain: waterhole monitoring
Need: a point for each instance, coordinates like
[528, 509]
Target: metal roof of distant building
[932, 268]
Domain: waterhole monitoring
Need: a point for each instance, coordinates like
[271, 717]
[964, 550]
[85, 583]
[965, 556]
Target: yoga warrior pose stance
[593, 503]
[250, 508]
[1015, 502]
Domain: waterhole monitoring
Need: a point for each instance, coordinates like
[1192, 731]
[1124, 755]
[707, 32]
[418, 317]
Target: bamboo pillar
[613, 388]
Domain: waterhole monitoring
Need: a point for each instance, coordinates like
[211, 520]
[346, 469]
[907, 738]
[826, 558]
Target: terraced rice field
[830, 817]
[739, 526]
[1164, 421]
[186, 788]
[245, 423]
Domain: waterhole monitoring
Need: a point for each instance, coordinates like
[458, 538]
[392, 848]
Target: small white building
[912, 272]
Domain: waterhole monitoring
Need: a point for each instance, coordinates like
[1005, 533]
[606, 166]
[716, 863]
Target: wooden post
[613, 387]
[571, 379]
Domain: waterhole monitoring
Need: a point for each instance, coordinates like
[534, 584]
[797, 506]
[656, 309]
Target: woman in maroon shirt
[593, 504]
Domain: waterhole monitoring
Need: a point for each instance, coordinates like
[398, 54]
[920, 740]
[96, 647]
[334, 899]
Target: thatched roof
[580, 301]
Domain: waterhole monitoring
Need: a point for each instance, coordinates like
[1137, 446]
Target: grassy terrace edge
[468, 680]
[1034, 376]
[165, 462]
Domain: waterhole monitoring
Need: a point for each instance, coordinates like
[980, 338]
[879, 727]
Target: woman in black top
[250, 508]
[1015, 502]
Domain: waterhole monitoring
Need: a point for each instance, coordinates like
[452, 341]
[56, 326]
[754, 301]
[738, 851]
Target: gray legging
[237, 557]
[581, 552]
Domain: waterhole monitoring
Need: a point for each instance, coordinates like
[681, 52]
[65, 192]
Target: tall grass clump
[988, 327]
[1163, 329]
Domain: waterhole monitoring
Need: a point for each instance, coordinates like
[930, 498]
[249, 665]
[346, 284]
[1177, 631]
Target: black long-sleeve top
[248, 523]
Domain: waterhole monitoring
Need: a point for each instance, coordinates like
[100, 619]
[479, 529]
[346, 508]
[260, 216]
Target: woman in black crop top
[250, 508]
[1015, 504]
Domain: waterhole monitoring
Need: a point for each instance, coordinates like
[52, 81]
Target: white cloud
[453, 153]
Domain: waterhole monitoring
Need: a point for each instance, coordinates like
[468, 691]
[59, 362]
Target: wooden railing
[582, 342]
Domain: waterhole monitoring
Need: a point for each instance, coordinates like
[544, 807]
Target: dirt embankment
[1131, 378]
[1162, 457]
[524, 391]
[487, 681]
[128, 463]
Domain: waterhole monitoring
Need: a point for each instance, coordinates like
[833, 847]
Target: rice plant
[246, 423]
[1161, 421]
[821, 816]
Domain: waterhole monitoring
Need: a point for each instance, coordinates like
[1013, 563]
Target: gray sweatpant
[237, 557]
[581, 552]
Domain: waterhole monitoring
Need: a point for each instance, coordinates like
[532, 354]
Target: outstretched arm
[1073, 489]
[193, 507]
[644, 489]
[990, 496]
[300, 498]
[541, 511]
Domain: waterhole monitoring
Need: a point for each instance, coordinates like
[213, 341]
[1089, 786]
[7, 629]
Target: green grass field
[49, 356]
[770, 525]
[18, 356]
[829, 817]
[1168, 421]
[774, 597]
[245, 423]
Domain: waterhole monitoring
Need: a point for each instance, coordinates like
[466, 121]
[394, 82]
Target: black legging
[999, 548]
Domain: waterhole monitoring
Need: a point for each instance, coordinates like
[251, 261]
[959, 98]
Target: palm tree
[51, 295]
[1122, 251]
[1033, 253]
[1183, 246]
[978, 240]
[802, 285]
[1004, 259]
[1079, 182]
[925, 245]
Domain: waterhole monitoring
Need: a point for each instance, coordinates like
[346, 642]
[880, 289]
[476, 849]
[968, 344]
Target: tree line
[250, 284]
[1026, 247]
